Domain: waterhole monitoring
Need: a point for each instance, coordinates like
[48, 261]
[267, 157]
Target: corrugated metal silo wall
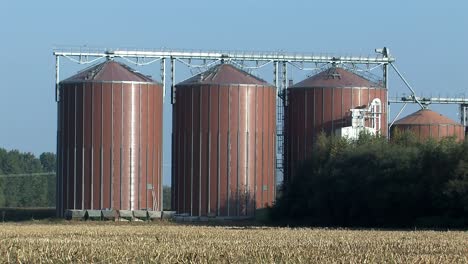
[110, 140]
[223, 149]
[313, 110]
[423, 132]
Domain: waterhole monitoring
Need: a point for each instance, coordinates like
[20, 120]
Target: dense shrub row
[373, 182]
[28, 181]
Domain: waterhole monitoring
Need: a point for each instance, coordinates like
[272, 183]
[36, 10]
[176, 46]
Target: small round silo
[323, 103]
[426, 124]
[224, 134]
[110, 140]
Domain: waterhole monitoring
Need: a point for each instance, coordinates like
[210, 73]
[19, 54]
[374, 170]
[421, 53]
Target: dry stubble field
[170, 243]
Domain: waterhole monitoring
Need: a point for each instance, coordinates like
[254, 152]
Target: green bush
[373, 182]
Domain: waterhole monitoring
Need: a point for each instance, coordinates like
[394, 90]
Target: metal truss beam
[429, 100]
[234, 55]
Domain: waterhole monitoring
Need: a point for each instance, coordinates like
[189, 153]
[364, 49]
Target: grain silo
[426, 124]
[109, 140]
[334, 101]
[224, 134]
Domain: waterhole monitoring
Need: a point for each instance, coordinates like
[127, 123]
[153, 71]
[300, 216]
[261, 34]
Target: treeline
[25, 180]
[373, 182]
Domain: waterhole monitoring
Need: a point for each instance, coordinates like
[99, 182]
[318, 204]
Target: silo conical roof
[224, 74]
[426, 117]
[335, 77]
[109, 71]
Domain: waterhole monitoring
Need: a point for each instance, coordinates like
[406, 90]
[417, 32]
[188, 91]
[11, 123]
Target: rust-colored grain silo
[109, 140]
[224, 134]
[425, 124]
[322, 103]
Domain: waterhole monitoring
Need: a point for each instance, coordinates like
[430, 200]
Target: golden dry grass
[167, 243]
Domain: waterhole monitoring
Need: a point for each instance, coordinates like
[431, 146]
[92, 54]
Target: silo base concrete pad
[125, 214]
[233, 218]
[218, 219]
[211, 215]
[154, 215]
[140, 215]
[75, 214]
[109, 215]
[93, 214]
[168, 214]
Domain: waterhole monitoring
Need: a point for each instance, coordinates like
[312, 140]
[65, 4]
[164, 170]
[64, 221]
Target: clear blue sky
[428, 38]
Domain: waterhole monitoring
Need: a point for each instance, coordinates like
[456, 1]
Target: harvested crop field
[169, 243]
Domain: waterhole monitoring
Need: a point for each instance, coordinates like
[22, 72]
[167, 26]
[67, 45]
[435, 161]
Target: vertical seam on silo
[153, 161]
[160, 178]
[247, 141]
[148, 88]
[218, 206]
[272, 151]
[121, 142]
[130, 181]
[58, 188]
[177, 177]
[314, 127]
[268, 157]
[305, 125]
[154, 153]
[263, 147]
[238, 148]
[111, 171]
[83, 145]
[58, 163]
[92, 146]
[65, 151]
[359, 97]
[209, 153]
[184, 150]
[67, 193]
[184, 175]
[132, 147]
[200, 117]
[139, 148]
[145, 193]
[74, 156]
[274, 138]
[101, 152]
[60, 174]
[228, 149]
[267, 135]
[57, 168]
[191, 152]
[255, 149]
[174, 153]
[175, 156]
[62, 154]
[176, 160]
